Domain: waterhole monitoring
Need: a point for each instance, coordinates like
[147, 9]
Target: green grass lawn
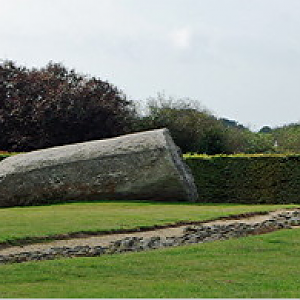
[265, 266]
[37, 221]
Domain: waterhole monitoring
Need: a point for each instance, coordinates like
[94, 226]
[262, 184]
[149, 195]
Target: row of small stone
[192, 234]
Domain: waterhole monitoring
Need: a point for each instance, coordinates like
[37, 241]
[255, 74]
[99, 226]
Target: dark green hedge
[247, 178]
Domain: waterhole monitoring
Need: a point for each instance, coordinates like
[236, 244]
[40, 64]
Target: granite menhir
[146, 165]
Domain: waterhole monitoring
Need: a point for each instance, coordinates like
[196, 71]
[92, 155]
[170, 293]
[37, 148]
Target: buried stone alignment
[146, 165]
[191, 234]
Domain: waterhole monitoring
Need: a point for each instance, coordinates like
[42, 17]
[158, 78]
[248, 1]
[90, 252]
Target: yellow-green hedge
[247, 178]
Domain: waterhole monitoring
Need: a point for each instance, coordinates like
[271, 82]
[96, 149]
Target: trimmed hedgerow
[247, 178]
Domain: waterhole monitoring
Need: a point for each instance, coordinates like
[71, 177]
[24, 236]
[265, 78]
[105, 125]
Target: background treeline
[287, 137]
[53, 106]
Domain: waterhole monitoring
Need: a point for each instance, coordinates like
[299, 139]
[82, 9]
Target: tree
[265, 129]
[232, 123]
[287, 138]
[53, 106]
[193, 128]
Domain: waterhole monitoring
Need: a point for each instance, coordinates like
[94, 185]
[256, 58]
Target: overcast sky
[239, 58]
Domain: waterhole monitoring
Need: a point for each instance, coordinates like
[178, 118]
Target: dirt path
[105, 240]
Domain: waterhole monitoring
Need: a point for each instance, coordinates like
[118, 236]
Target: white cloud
[181, 38]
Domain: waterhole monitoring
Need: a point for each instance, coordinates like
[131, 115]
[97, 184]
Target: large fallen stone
[145, 165]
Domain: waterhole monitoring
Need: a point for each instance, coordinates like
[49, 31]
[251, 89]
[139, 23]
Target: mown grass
[265, 266]
[38, 221]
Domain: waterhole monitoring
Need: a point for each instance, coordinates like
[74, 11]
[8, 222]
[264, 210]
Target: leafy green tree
[193, 128]
[287, 138]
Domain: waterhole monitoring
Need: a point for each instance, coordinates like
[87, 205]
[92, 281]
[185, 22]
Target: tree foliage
[193, 128]
[287, 138]
[196, 130]
[52, 106]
